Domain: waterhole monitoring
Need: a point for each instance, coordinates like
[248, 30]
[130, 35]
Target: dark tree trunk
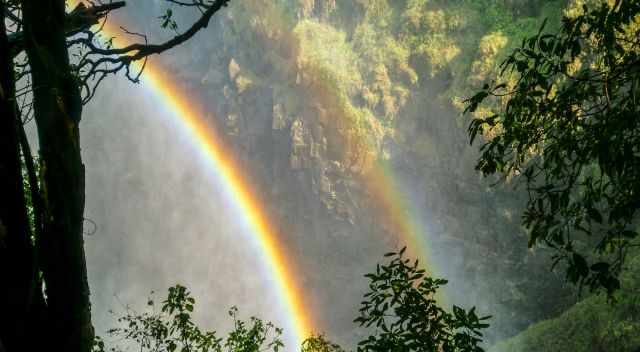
[57, 111]
[17, 273]
[63, 321]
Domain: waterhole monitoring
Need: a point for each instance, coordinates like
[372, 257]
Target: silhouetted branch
[78, 20]
[141, 51]
[99, 59]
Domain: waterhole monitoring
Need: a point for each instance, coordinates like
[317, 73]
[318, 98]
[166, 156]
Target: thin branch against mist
[99, 59]
[78, 20]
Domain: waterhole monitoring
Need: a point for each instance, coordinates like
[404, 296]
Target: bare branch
[78, 20]
[98, 59]
[135, 52]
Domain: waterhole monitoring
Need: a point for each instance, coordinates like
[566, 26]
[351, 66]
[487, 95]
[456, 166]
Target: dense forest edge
[590, 325]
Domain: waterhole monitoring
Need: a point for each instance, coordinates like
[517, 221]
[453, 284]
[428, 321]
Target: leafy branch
[570, 129]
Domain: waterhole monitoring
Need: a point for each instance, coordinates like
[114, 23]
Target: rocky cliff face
[309, 108]
[283, 137]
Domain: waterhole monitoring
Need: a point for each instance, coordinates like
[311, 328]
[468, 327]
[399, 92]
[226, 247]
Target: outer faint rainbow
[221, 163]
[382, 185]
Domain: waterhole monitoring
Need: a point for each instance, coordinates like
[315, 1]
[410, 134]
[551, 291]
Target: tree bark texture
[17, 269]
[57, 111]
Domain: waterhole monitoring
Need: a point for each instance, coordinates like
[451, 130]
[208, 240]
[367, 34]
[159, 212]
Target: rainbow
[382, 185]
[379, 181]
[236, 185]
[228, 172]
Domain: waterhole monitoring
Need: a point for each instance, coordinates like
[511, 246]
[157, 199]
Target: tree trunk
[57, 111]
[17, 273]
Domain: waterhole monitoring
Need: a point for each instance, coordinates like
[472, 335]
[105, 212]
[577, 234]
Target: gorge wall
[311, 94]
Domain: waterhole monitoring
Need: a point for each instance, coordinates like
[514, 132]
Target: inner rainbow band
[227, 171]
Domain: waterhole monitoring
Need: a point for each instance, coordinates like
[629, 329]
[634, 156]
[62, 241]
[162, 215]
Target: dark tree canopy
[568, 125]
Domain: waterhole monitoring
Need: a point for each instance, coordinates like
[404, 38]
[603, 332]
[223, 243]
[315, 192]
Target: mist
[320, 175]
[158, 215]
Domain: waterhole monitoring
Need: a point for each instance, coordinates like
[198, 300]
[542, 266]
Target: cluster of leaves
[167, 20]
[319, 343]
[570, 126]
[402, 308]
[173, 329]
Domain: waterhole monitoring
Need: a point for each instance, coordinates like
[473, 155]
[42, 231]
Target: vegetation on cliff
[591, 325]
[352, 83]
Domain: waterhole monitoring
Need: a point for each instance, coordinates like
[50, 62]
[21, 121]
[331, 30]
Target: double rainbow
[379, 181]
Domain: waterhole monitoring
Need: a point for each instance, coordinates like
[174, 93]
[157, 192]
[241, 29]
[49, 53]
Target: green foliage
[254, 336]
[439, 51]
[325, 47]
[570, 127]
[402, 308]
[172, 329]
[380, 13]
[167, 20]
[319, 343]
[590, 325]
[28, 196]
[489, 48]
[384, 63]
[375, 52]
[455, 45]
